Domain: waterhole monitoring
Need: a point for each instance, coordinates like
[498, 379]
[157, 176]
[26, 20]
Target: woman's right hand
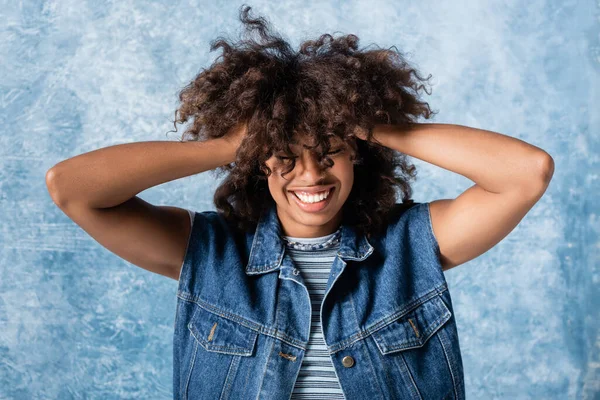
[236, 134]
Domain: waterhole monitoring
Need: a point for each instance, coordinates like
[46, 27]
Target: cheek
[276, 185]
[345, 171]
[348, 179]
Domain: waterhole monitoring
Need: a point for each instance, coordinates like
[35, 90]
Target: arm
[110, 176]
[510, 176]
[97, 190]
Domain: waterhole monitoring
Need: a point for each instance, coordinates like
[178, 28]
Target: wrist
[380, 134]
[229, 147]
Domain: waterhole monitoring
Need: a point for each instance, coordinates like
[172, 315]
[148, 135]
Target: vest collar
[268, 248]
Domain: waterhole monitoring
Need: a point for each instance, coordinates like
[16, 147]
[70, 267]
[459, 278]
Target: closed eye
[284, 158]
[290, 158]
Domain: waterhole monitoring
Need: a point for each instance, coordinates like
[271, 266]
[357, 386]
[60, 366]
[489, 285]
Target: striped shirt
[317, 378]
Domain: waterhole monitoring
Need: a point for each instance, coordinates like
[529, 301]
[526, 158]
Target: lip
[314, 207]
[312, 189]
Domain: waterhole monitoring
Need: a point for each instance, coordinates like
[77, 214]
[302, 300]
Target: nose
[307, 167]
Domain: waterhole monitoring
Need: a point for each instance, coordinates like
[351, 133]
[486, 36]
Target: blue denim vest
[243, 313]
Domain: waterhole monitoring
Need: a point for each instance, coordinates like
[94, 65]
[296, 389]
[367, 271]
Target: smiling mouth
[305, 197]
[316, 206]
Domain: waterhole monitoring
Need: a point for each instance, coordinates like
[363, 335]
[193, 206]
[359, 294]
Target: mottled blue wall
[76, 321]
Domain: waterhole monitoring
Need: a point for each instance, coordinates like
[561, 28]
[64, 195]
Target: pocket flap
[220, 334]
[414, 328]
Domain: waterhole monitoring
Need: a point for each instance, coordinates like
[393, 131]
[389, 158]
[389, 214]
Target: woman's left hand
[360, 133]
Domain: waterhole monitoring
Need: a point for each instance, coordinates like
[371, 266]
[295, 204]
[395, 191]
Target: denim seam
[185, 258]
[387, 320]
[231, 371]
[247, 323]
[432, 238]
[367, 353]
[450, 364]
[192, 362]
[262, 381]
[412, 379]
[426, 336]
[388, 378]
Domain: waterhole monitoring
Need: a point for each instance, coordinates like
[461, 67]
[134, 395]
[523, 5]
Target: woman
[309, 280]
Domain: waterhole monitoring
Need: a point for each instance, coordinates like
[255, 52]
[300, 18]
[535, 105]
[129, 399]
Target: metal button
[348, 361]
[296, 271]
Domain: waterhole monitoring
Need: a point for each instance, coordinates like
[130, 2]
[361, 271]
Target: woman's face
[298, 218]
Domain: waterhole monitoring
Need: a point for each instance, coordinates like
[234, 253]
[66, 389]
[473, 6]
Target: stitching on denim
[238, 350]
[435, 326]
[411, 377]
[248, 324]
[246, 349]
[390, 381]
[344, 264]
[305, 345]
[192, 362]
[246, 380]
[255, 242]
[367, 353]
[383, 323]
[187, 246]
[363, 346]
[432, 238]
[449, 365]
[231, 371]
[262, 381]
[274, 333]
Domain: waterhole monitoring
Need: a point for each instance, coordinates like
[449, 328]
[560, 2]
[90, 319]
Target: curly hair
[327, 88]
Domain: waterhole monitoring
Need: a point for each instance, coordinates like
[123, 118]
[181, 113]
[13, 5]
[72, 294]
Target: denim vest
[243, 313]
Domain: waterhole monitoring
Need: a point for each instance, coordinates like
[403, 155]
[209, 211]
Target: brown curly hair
[328, 88]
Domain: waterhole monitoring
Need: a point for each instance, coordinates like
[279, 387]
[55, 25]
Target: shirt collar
[268, 248]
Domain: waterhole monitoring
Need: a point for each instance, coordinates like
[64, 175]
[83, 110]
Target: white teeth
[312, 198]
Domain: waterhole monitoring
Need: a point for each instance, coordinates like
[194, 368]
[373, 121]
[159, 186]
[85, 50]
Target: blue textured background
[76, 321]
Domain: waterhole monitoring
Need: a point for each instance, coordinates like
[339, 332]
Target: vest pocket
[418, 350]
[218, 361]
[220, 334]
[413, 329]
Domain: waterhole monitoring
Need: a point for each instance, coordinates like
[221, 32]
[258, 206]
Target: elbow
[543, 168]
[52, 178]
